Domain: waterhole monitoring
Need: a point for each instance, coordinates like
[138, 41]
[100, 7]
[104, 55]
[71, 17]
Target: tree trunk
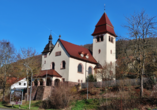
[141, 86]
[3, 91]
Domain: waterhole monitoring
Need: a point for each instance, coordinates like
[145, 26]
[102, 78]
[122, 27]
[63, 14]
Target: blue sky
[27, 23]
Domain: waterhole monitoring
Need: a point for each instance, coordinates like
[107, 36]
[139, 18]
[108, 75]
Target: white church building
[70, 63]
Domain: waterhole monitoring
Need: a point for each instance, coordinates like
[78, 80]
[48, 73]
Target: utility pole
[30, 87]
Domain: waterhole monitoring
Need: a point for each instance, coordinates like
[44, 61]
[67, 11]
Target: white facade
[70, 73]
[74, 75]
[57, 60]
[22, 84]
[105, 51]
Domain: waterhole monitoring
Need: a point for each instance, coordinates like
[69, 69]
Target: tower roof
[49, 46]
[104, 25]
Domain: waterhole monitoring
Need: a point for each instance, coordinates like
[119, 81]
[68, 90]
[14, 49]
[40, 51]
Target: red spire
[104, 26]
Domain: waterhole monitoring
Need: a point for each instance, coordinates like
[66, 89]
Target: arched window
[90, 70]
[80, 68]
[53, 65]
[63, 65]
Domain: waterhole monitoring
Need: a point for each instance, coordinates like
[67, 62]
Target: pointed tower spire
[103, 26]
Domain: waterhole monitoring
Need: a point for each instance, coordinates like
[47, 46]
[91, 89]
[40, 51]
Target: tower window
[111, 51]
[99, 51]
[101, 38]
[98, 39]
[109, 38]
[44, 62]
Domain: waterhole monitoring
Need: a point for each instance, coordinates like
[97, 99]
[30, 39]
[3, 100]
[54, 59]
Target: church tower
[104, 41]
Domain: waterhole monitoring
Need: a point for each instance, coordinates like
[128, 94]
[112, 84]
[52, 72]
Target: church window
[53, 65]
[99, 51]
[63, 65]
[89, 70]
[80, 68]
[58, 53]
[101, 38]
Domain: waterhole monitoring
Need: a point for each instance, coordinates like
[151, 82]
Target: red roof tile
[104, 26]
[74, 51]
[48, 72]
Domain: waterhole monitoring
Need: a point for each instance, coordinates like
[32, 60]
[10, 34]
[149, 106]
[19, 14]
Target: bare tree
[27, 55]
[106, 73]
[7, 57]
[140, 27]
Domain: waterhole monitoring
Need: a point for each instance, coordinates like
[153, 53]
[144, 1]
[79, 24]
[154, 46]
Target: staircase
[47, 92]
[39, 93]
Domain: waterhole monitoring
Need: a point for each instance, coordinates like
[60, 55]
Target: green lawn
[34, 106]
[86, 104]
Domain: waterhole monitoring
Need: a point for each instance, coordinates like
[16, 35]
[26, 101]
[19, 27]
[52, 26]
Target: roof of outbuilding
[50, 72]
[104, 25]
[75, 50]
[98, 66]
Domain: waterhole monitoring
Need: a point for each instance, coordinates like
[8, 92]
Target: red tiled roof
[104, 26]
[12, 80]
[48, 72]
[75, 50]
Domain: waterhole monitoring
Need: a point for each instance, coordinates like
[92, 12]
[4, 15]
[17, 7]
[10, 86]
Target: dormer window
[19, 83]
[81, 55]
[87, 56]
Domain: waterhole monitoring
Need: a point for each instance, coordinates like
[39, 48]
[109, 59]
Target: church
[69, 63]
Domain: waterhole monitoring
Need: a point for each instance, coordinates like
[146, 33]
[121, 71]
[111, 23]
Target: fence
[111, 83]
